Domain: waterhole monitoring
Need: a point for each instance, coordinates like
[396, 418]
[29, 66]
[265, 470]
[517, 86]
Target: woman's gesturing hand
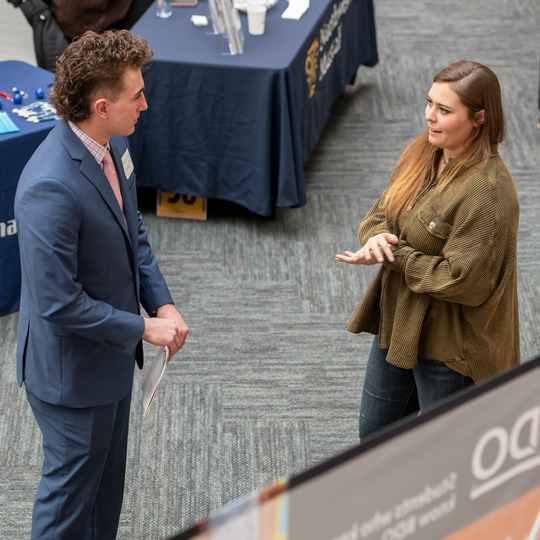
[375, 251]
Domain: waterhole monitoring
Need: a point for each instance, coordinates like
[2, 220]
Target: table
[15, 150]
[240, 127]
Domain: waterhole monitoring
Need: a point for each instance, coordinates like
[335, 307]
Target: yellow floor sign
[176, 205]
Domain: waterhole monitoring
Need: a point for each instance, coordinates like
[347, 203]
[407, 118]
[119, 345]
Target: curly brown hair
[92, 66]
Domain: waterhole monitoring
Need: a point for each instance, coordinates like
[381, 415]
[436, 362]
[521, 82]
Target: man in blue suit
[87, 267]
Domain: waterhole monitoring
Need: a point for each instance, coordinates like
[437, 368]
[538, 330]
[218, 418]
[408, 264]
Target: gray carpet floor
[269, 381]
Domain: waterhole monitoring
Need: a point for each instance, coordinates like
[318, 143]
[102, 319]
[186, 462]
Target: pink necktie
[110, 173]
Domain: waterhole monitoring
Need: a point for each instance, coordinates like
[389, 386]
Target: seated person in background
[74, 18]
[57, 22]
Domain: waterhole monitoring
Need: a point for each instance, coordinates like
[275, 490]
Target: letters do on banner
[517, 448]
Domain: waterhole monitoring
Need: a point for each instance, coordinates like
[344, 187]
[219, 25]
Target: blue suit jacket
[84, 275]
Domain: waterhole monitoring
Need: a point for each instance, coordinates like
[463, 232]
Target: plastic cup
[256, 15]
[163, 9]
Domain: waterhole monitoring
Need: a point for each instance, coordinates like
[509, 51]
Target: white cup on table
[256, 14]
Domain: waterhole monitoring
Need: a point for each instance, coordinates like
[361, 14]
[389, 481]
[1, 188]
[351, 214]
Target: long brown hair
[478, 89]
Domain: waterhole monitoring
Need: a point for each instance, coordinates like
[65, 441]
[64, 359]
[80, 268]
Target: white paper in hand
[153, 376]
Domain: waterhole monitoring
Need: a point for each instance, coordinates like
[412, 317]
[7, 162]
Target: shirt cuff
[401, 254]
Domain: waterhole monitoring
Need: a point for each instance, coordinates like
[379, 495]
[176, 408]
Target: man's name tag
[127, 164]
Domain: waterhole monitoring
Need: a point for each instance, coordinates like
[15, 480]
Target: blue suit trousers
[82, 484]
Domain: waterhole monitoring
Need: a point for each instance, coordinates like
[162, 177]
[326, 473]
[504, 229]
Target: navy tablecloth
[15, 150]
[240, 127]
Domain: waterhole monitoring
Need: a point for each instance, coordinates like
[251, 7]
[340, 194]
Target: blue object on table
[6, 124]
[240, 127]
[15, 150]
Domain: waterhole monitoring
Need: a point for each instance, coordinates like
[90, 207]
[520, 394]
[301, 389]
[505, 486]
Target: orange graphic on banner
[274, 512]
[518, 520]
[262, 515]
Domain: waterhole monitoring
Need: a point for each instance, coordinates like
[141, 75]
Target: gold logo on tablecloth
[311, 66]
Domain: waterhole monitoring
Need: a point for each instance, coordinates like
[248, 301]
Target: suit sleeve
[153, 288]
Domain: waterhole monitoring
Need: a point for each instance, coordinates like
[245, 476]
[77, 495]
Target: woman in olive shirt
[444, 304]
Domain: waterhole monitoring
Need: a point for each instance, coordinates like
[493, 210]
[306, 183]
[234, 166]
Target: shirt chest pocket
[431, 232]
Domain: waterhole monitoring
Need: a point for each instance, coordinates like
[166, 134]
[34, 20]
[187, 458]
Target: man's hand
[168, 329]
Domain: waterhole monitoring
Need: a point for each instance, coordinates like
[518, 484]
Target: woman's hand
[376, 249]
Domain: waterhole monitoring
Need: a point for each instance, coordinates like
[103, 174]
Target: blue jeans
[390, 393]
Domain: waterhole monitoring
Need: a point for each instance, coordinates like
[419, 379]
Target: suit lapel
[129, 208]
[92, 170]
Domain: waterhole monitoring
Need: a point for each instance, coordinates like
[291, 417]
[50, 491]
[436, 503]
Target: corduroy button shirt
[451, 293]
